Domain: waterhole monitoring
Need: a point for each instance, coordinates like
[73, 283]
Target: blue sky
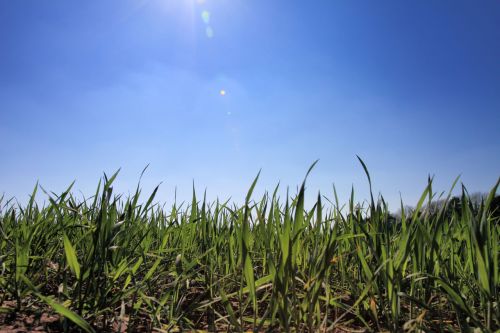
[86, 87]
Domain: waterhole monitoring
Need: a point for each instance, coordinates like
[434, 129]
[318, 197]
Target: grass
[110, 263]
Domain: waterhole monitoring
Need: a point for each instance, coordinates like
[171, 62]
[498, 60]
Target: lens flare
[210, 32]
[205, 16]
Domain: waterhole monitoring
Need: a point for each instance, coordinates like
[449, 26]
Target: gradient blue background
[413, 87]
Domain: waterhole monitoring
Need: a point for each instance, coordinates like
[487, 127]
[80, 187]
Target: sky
[213, 91]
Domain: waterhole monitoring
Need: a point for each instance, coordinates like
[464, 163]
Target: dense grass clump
[112, 264]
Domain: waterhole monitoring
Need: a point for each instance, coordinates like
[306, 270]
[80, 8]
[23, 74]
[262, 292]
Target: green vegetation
[114, 264]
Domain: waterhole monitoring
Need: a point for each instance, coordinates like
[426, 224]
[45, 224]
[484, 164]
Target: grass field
[111, 263]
